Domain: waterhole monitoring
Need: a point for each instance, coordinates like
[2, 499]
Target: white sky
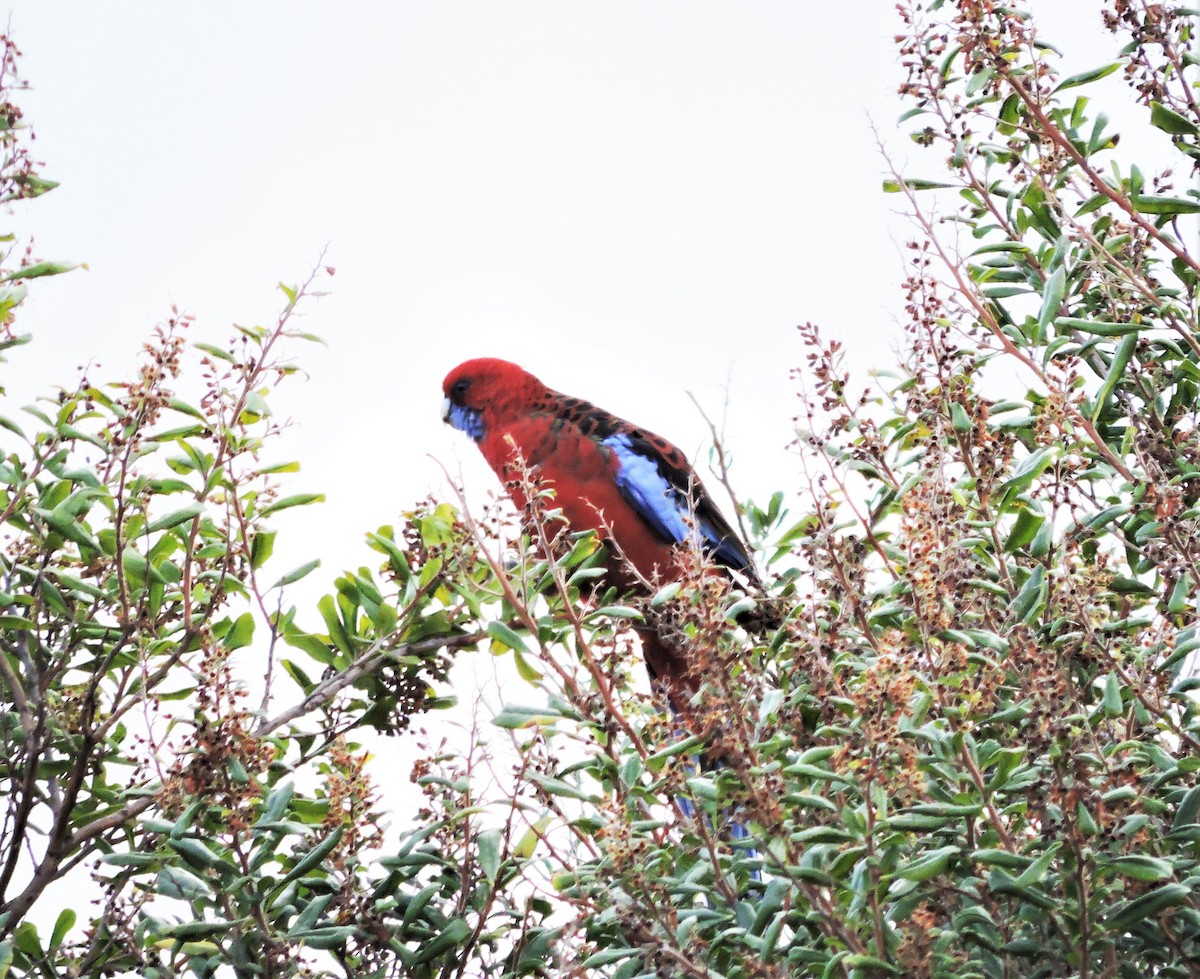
[631, 200]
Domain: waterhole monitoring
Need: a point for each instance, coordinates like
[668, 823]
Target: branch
[1059, 139]
[325, 691]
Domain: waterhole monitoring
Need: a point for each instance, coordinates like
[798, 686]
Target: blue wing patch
[654, 498]
[664, 506]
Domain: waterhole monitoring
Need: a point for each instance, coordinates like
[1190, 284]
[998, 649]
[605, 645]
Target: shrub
[970, 750]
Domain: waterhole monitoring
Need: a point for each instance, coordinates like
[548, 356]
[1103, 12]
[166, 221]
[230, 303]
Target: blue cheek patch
[467, 420]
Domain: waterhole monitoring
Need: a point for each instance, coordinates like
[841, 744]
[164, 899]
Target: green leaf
[262, 546]
[1140, 868]
[182, 515]
[278, 467]
[1034, 873]
[607, 956]
[334, 936]
[193, 929]
[506, 636]
[179, 883]
[12, 426]
[312, 858]
[1170, 121]
[297, 573]
[66, 524]
[1026, 527]
[895, 187]
[1031, 467]
[526, 670]
[216, 352]
[513, 717]
[303, 925]
[34, 186]
[930, 864]
[665, 594]
[618, 611]
[870, 963]
[27, 939]
[1167, 896]
[177, 404]
[241, 633]
[277, 803]
[1116, 371]
[1158, 204]
[302, 679]
[527, 844]
[1186, 815]
[959, 418]
[1001, 882]
[298, 499]
[1052, 297]
[327, 605]
[1113, 704]
[1180, 597]
[1093, 203]
[1000, 858]
[132, 859]
[134, 565]
[316, 647]
[1009, 115]
[1086, 77]
[1030, 599]
[193, 851]
[63, 924]
[488, 844]
[1043, 540]
[38, 270]
[1100, 328]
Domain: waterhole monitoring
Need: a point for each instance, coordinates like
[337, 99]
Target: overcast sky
[633, 201]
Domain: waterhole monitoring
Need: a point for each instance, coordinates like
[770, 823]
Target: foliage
[959, 733]
[971, 747]
[227, 825]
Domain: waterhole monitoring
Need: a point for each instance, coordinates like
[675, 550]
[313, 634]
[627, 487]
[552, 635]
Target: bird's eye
[458, 392]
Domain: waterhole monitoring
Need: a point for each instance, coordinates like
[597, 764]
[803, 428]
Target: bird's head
[485, 392]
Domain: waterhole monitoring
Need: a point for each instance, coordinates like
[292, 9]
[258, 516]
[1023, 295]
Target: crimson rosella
[632, 487]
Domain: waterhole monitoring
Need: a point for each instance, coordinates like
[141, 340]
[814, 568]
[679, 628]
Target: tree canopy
[968, 747]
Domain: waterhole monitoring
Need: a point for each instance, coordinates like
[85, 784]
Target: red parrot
[632, 487]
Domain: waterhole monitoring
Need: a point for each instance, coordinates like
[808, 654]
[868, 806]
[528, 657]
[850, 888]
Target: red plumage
[634, 488]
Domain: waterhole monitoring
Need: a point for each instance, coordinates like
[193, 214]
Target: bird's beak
[446, 410]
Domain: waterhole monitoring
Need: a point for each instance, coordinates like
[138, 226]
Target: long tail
[667, 680]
